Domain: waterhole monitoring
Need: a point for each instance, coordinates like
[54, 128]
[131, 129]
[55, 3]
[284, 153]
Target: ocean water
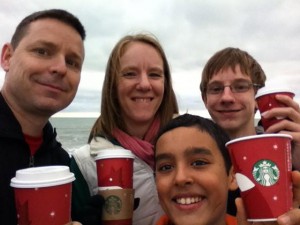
[73, 128]
[72, 132]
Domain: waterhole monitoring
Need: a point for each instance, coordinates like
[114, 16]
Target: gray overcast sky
[190, 32]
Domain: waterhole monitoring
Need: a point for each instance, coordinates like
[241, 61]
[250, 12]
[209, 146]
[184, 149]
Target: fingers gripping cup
[262, 166]
[115, 182]
[266, 100]
[43, 195]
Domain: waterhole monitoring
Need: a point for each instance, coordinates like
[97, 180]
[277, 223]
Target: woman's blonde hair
[110, 117]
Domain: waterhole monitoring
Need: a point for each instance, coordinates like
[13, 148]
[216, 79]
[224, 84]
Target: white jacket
[149, 210]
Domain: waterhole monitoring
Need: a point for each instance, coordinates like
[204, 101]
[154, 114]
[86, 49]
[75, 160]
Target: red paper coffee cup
[115, 182]
[262, 165]
[43, 195]
[115, 168]
[266, 100]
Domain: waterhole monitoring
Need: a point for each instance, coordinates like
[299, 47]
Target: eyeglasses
[235, 87]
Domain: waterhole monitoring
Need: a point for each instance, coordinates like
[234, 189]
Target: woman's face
[140, 84]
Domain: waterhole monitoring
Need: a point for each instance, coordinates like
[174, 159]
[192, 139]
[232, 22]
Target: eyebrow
[236, 80]
[134, 67]
[187, 152]
[49, 44]
[157, 70]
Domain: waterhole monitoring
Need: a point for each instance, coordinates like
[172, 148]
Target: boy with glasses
[239, 86]
[230, 80]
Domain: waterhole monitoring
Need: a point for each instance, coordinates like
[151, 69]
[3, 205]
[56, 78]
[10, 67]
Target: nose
[144, 82]
[58, 66]
[227, 95]
[182, 177]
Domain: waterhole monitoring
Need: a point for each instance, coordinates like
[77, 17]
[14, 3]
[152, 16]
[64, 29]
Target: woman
[137, 99]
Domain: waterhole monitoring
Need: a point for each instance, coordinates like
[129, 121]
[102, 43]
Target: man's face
[234, 112]
[43, 72]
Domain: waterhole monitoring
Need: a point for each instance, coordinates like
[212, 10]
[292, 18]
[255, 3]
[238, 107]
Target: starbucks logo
[113, 205]
[266, 172]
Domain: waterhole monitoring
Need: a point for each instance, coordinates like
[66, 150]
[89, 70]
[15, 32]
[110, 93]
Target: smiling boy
[193, 172]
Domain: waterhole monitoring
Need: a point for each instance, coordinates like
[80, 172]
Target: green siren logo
[113, 205]
[265, 172]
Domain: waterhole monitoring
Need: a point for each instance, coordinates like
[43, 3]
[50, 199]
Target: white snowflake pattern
[110, 179]
[275, 147]
[52, 214]
[275, 198]
[245, 158]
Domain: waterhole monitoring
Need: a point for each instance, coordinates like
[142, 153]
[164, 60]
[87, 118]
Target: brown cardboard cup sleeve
[118, 204]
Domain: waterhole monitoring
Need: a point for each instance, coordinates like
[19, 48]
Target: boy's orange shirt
[164, 220]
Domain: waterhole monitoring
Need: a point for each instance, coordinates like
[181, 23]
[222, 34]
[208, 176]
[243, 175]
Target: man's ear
[6, 54]
[232, 183]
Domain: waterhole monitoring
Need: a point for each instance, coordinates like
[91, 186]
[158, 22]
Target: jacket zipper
[31, 161]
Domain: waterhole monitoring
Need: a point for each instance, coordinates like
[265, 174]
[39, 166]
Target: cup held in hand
[115, 182]
[262, 164]
[43, 195]
[266, 100]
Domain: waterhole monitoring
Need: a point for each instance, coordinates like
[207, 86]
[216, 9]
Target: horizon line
[203, 113]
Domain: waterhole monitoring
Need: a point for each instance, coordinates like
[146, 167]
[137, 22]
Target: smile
[142, 99]
[187, 201]
[228, 111]
[58, 87]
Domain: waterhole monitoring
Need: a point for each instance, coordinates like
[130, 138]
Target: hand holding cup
[262, 166]
[266, 100]
[43, 195]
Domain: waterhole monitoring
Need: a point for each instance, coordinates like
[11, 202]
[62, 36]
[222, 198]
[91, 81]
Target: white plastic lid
[258, 136]
[114, 153]
[44, 176]
[267, 90]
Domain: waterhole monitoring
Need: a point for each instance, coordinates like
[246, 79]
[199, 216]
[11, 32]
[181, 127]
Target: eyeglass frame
[232, 89]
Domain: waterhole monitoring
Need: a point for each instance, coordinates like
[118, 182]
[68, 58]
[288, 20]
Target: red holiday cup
[266, 100]
[115, 182]
[43, 195]
[262, 166]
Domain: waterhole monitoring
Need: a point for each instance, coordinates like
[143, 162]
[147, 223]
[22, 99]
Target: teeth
[187, 201]
[142, 99]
